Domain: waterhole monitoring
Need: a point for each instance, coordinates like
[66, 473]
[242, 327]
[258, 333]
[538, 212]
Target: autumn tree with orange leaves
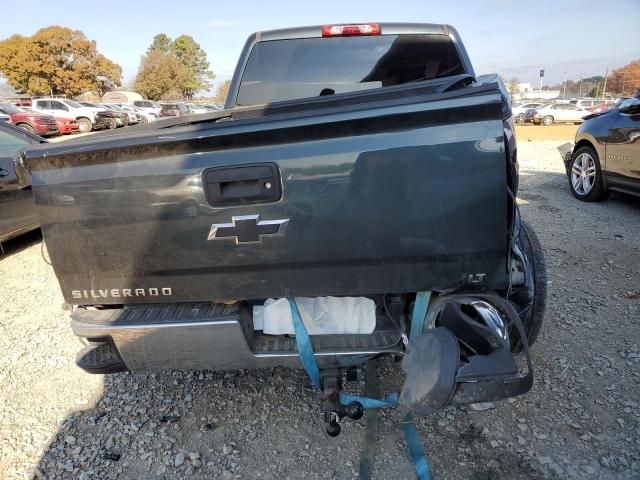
[57, 60]
[625, 80]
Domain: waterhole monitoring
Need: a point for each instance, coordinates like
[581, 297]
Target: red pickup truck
[32, 122]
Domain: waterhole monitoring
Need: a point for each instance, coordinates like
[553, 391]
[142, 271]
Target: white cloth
[320, 315]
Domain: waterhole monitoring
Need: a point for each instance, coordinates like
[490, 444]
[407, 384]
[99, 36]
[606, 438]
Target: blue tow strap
[419, 313]
[308, 359]
[305, 349]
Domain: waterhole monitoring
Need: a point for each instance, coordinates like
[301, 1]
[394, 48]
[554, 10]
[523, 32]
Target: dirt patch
[560, 132]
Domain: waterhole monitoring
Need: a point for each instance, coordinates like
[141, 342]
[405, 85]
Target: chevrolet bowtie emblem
[247, 229]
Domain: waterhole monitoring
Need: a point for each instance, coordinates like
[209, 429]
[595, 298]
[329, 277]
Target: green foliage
[160, 42]
[194, 58]
[187, 81]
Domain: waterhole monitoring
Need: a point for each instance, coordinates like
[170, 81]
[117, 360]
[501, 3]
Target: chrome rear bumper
[214, 336]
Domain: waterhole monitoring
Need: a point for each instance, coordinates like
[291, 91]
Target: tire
[112, 124]
[143, 120]
[585, 175]
[547, 120]
[85, 125]
[26, 127]
[533, 315]
[520, 118]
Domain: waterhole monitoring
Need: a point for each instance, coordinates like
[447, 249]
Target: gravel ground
[581, 420]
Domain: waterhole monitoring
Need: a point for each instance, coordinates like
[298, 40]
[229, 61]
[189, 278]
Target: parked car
[322, 194]
[4, 117]
[196, 108]
[116, 118]
[559, 113]
[604, 106]
[141, 117]
[148, 106]
[17, 209]
[87, 117]
[520, 110]
[132, 117]
[530, 115]
[606, 155]
[66, 125]
[174, 110]
[147, 116]
[586, 103]
[33, 122]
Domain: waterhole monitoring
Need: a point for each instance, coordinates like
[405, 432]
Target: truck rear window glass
[281, 70]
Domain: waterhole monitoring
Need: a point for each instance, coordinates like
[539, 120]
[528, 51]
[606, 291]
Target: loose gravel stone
[58, 422]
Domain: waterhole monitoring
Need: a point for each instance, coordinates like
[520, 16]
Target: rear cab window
[280, 70]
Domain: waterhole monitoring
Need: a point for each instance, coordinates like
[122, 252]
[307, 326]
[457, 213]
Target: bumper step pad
[100, 358]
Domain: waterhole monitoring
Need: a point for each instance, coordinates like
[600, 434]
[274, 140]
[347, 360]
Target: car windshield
[72, 103]
[10, 109]
[281, 70]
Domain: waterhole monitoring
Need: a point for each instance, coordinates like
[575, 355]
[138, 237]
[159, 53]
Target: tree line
[58, 60]
[61, 61]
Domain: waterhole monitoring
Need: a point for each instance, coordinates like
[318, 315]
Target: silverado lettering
[122, 292]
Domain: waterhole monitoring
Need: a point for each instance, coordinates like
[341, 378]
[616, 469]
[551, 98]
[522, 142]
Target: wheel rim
[547, 121]
[583, 173]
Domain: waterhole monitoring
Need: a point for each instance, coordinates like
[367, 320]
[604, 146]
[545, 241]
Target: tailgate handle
[257, 183]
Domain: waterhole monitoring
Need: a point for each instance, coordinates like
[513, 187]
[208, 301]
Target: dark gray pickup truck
[362, 161]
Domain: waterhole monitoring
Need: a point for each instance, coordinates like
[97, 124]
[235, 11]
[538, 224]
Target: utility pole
[604, 88]
[580, 91]
[564, 86]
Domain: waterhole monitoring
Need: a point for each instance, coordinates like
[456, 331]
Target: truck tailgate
[394, 196]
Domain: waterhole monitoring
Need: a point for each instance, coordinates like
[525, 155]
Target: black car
[18, 211]
[606, 155]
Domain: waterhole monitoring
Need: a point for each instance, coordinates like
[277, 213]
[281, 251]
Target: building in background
[121, 96]
[527, 92]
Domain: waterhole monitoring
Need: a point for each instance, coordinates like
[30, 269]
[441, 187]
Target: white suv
[86, 116]
[587, 103]
[148, 106]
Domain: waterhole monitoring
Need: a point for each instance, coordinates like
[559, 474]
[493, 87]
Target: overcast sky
[508, 37]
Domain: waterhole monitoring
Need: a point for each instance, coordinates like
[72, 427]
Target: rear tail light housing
[351, 30]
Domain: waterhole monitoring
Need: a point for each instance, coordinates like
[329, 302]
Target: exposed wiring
[388, 313]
